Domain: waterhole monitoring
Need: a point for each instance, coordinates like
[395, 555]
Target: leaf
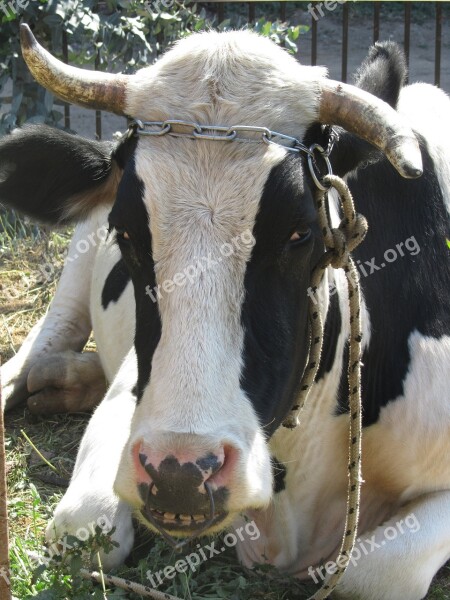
[290, 45]
[38, 572]
[266, 29]
[76, 563]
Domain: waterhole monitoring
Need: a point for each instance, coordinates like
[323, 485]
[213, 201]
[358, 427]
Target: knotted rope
[339, 243]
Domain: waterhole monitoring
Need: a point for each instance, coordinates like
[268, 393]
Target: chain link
[219, 133]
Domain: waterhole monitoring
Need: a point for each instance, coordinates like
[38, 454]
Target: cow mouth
[181, 525]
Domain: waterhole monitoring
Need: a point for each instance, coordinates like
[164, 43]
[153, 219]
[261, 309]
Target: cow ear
[56, 177]
[383, 73]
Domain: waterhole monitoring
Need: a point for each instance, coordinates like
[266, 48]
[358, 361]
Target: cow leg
[66, 382]
[90, 499]
[66, 326]
[398, 560]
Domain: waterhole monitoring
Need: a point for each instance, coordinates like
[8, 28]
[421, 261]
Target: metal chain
[219, 133]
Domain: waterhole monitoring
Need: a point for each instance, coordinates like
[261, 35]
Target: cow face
[220, 239]
[220, 246]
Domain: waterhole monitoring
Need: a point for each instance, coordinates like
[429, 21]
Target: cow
[195, 278]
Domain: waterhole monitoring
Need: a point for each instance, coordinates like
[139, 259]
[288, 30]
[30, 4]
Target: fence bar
[376, 21]
[98, 113]
[313, 38]
[344, 42]
[65, 51]
[438, 38]
[282, 11]
[407, 36]
[220, 12]
[251, 12]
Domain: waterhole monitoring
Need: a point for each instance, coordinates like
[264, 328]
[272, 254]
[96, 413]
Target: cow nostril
[221, 476]
[211, 463]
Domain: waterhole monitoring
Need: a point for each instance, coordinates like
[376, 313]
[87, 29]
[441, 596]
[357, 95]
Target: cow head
[220, 239]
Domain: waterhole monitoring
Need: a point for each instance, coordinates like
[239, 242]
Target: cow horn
[373, 120]
[91, 89]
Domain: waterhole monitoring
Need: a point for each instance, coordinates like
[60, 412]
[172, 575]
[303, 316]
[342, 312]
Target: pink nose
[177, 487]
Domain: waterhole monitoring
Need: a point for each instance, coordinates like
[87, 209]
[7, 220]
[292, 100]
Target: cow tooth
[169, 515]
[185, 517]
[198, 517]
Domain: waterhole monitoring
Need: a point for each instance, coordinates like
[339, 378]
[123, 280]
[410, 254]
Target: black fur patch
[410, 293]
[279, 475]
[275, 310]
[130, 214]
[115, 283]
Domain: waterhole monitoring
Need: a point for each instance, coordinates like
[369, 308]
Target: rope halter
[339, 242]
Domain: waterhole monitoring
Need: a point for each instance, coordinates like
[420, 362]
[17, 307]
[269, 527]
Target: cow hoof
[14, 383]
[77, 519]
[65, 383]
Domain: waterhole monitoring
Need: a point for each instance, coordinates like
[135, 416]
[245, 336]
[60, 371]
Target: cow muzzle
[184, 490]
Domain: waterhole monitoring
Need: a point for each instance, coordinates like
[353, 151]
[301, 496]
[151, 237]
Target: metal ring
[324, 156]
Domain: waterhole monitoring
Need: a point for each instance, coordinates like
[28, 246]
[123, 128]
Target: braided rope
[339, 243]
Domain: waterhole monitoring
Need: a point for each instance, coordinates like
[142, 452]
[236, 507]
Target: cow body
[212, 366]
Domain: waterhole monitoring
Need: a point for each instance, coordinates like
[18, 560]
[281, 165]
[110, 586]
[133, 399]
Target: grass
[34, 488]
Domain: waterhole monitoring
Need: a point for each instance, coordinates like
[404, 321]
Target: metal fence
[318, 9]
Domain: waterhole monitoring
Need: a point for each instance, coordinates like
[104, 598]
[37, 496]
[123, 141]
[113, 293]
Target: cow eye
[300, 237]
